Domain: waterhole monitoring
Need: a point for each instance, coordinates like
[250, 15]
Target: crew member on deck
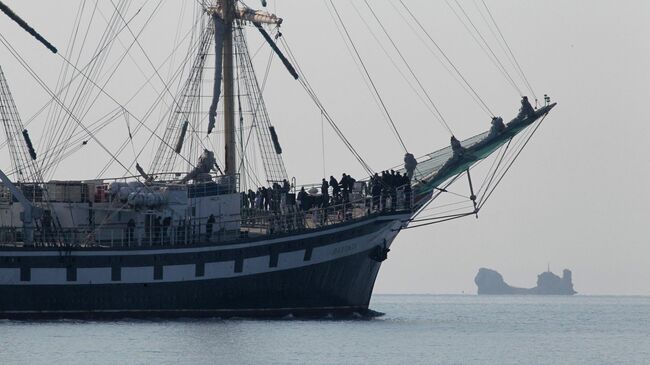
[409, 164]
[375, 189]
[302, 198]
[208, 227]
[130, 229]
[336, 189]
[324, 189]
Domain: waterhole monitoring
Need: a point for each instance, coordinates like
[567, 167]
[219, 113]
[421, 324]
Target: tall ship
[195, 233]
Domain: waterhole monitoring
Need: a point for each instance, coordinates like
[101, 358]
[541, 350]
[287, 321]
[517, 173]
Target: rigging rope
[101, 89]
[40, 81]
[495, 60]
[77, 101]
[478, 97]
[81, 97]
[526, 140]
[365, 69]
[304, 82]
[521, 71]
[358, 66]
[73, 78]
[322, 140]
[151, 108]
[135, 38]
[399, 70]
[408, 66]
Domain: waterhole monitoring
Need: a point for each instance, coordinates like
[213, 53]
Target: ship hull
[332, 271]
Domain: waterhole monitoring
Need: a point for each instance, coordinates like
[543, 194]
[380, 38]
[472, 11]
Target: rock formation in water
[491, 282]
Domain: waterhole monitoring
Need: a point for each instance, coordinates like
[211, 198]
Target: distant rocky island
[491, 282]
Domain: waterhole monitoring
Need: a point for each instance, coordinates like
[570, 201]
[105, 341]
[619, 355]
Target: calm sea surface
[416, 329]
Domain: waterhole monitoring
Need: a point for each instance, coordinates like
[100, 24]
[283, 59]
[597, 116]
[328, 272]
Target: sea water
[415, 329]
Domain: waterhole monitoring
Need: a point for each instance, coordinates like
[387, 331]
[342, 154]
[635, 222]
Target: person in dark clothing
[275, 196]
[393, 189]
[286, 187]
[244, 200]
[147, 227]
[385, 188]
[251, 198]
[166, 223]
[347, 183]
[375, 190]
[526, 110]
[349, 186]
[46, 223]
[410, 163]
[497, 127]
[394, 181]
[456, 147]
[130, 229]
[209, 226]
[262, 192]
[399, 179]
[180, 233]
[302, 198]
[336, 189]
[157, 230]
[345, 187]
[324, 189]
[266, 193]
[407, 193]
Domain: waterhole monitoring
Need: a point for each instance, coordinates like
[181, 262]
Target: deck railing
[284, 219]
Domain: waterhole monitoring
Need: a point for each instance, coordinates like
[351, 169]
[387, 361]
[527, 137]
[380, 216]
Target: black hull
[330, 272]
[339, 287]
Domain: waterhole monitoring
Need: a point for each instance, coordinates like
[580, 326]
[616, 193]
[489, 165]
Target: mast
[228, 7]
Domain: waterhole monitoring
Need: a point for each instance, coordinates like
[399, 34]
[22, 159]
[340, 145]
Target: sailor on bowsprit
[527, 110]
[497, 127]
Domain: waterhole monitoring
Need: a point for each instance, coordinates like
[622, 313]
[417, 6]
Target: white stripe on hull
[9, 276]
[132, 275]
[49, 276]
[93, 275]
[223, 269]
[179, 272]
[257, 265]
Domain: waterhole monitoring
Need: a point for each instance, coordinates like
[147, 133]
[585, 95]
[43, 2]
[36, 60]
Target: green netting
[435, 168]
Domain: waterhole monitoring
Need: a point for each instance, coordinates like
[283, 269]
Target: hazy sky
[576, 197]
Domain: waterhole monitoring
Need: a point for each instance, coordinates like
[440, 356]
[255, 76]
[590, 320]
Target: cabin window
[116, 273]
[25, 273]
[157, 272]
[273, 259]
[199, 270]
[308, 254]
[239, 264]
[71, 273]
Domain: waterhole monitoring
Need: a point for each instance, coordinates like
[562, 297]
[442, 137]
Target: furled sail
[277, 51]
[181, 138]
[219, 31]
[276, 141]
[30, 146]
